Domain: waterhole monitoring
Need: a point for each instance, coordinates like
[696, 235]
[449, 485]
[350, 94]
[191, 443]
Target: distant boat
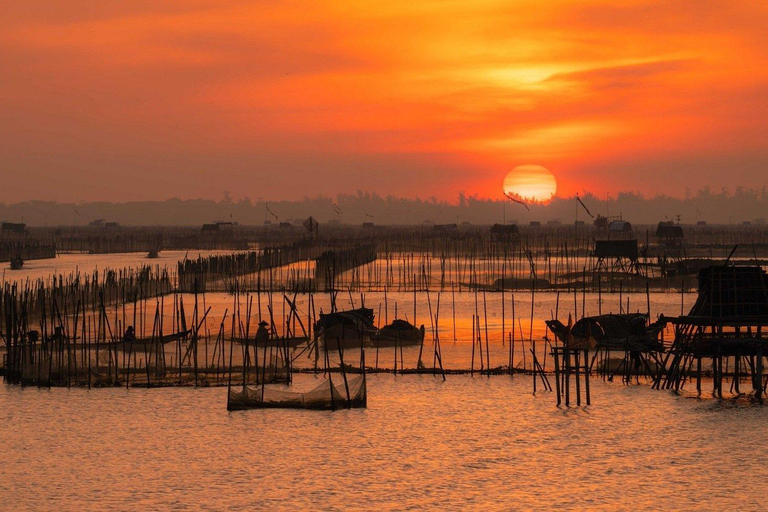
[153, 254]
[511, 283]
[17, 263]
[274, 342]
[398, 333]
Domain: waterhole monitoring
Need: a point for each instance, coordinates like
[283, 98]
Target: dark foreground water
[468, 443]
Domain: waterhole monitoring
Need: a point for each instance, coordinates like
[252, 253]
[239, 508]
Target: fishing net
[326, 396]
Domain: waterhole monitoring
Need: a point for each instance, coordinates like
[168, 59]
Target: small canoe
[143, 344]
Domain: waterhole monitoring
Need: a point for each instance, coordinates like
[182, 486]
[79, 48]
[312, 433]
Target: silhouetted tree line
[723, 207]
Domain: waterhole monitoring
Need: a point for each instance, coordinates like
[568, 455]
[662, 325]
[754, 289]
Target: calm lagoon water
[466, 443]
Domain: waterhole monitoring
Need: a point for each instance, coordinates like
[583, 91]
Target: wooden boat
[61, 342]
[512, 283]
[143, 344]
[345, 329]
[292, 342]
[338, 337]
[398, 333]
[621, 332]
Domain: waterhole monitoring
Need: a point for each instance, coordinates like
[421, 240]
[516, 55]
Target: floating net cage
[326, 396]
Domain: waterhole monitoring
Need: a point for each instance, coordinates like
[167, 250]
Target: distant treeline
[723, 207]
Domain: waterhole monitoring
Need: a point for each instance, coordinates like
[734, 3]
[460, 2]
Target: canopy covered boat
[625, 331]
[398, 333]
[345, 329]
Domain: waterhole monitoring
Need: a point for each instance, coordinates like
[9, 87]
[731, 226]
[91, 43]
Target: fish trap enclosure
[327, 396]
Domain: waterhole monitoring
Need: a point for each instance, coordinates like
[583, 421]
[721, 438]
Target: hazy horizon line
[718, 207]
[227, 198]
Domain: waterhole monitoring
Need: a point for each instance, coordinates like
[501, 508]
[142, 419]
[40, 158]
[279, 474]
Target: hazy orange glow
[152, 99]
[530, 183]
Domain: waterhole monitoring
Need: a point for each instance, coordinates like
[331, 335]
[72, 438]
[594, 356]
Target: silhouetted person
[262, 334]
[129, 335]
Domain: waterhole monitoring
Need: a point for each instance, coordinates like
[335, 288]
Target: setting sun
[530, 183]
[227, 220]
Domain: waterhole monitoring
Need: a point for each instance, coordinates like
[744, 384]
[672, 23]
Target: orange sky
[152, 99]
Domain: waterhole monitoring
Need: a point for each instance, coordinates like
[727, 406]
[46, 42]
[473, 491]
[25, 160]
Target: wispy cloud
[200, 92]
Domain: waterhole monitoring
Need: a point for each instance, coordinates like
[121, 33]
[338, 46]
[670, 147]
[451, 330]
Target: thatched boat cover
[361, 318]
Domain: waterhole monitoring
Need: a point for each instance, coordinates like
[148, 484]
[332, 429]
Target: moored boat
[128, 344]
[345, 329]
[398, 333]
[290, 342]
